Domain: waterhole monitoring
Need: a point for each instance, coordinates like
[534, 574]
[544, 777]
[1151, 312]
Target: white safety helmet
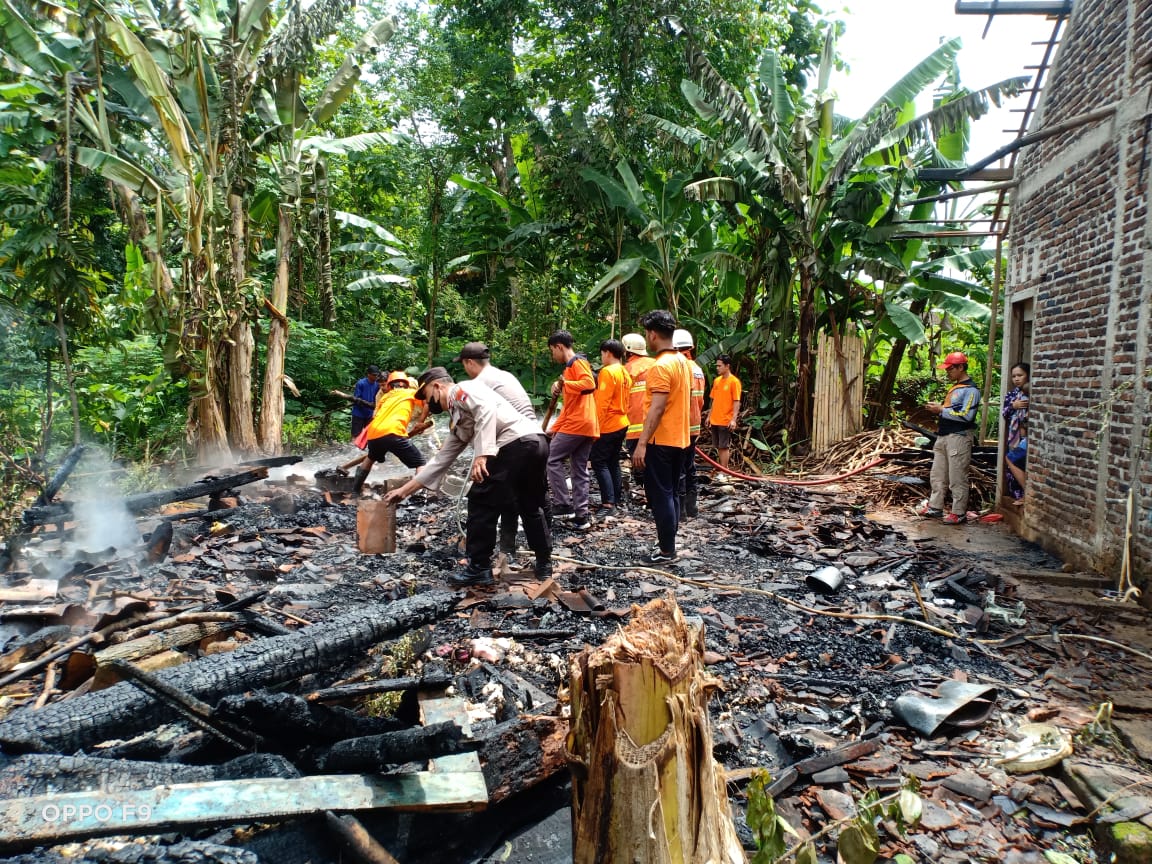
[682, 339]
[634, 343]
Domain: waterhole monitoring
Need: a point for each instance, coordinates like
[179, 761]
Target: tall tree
[802, 174]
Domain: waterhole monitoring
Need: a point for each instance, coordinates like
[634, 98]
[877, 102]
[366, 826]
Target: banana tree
[48, 262]
[199, 84]
[790, 165]
[672, 233]
[295, 155]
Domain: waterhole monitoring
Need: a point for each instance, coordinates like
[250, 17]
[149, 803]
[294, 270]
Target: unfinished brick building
[1079, 294]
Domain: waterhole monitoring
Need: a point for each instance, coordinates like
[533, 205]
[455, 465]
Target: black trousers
[662, 468]
[399, 446]
[606, 466]
[518, 474]
[688, 475]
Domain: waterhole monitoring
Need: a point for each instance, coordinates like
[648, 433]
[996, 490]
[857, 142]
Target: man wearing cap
[364, 400]
[636, 363]
[573, 433]
[952, 452]
[664, 437]
[682, 341]
[476, 360]
[511, 455]
[388, 429]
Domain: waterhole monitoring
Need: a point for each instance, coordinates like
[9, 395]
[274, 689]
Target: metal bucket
[455, 487]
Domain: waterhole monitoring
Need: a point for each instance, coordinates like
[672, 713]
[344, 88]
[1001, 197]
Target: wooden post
[645, 788]
[376, 526]
[997, 277]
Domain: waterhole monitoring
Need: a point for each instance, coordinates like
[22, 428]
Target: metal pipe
[1013, 7]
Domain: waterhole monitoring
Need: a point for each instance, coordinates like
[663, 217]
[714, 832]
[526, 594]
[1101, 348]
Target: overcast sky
[886, 38]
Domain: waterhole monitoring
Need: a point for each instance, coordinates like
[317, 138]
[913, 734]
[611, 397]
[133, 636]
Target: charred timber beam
[66, 468]
[519, 754]
[431, 681]
[271, 461]
[32, 645]
[194, 711]
[378, 752]
[136, 504]
[122, 710]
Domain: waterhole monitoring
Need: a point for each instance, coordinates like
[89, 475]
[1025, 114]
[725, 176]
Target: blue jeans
[606, 465]
[662, 467]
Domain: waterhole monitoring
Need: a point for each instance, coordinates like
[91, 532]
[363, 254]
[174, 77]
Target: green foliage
[858, 841]
[127, 401]
[318, 360]
[491, 177]
[308, 430]
[769, 829]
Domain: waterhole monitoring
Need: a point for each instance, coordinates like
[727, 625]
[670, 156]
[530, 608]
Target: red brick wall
[1081, 246]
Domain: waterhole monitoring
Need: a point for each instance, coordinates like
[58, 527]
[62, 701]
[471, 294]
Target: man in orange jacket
[664, 437]
[613, 386]
[637, 365]
[682, 341]
[725, 411]
[388, 429]
[573, 433]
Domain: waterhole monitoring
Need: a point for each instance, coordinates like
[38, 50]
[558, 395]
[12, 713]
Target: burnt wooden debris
[122, 709]
[48, 513]
[278, 696]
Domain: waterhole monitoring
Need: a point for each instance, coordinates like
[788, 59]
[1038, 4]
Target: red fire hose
[777, 480]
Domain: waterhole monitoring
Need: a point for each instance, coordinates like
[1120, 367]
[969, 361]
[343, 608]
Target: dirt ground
[797, 682]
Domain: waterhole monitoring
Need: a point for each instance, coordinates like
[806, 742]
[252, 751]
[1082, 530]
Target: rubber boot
[360, 478]
[690, 504]
[543, 566]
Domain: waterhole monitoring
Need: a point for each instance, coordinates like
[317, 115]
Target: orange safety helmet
[398, 378]
[956, 358]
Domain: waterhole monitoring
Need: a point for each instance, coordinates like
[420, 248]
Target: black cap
[373, 370]
[473, 351]
[436, 373]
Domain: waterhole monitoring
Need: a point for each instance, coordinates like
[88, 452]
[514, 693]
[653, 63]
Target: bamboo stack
[839, 399]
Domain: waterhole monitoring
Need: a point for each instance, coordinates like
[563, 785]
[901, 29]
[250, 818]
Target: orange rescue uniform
[393, 412]
[726, 391]
[578, 416]
[613, 391]
[671, 374]
[637, 367]
[699, 382]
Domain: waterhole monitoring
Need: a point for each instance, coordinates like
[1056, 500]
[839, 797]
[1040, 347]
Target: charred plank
[42, 773]
[48, 513]
[432, 681]
[380, 752]
[122, 710]
[289, 723]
